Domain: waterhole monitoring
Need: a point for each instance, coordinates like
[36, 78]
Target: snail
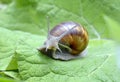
[66, 41]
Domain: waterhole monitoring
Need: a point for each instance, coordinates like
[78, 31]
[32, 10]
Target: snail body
[66, 41]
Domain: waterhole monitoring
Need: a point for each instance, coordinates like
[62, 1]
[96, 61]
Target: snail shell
[66, 41]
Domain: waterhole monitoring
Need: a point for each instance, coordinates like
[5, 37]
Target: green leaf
[10, 74]
[94, 67]
[7, 51]
[3, 79]
[98, 65]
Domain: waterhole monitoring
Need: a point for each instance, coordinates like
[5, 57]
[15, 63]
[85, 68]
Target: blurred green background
[30, 15]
